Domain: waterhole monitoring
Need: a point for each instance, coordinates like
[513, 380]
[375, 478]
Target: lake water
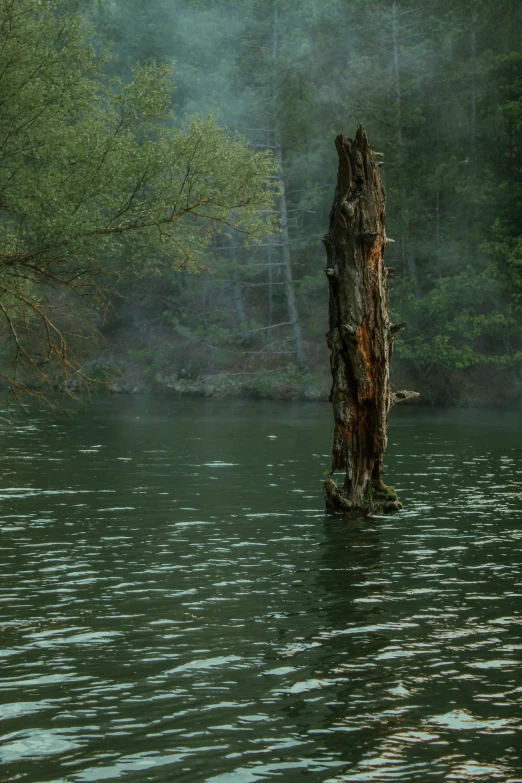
[175, 606]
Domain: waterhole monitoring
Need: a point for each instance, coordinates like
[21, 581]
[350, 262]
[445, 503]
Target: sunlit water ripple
[176, 607]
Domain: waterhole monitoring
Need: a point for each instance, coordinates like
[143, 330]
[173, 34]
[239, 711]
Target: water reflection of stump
[348, 578]
[350, 557]
[337, 656]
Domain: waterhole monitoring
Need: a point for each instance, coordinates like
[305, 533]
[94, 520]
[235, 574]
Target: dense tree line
[438, 87]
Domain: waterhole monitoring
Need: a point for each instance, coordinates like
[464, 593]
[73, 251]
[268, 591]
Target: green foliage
[100, 159]
[97, 177]
[152, 362]
[462, 321]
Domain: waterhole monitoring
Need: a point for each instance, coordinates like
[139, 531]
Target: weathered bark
[361, 335]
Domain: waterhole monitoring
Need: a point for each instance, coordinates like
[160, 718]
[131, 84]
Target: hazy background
[439, 88]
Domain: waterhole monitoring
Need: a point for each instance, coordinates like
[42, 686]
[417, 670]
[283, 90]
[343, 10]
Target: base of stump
[378, 499]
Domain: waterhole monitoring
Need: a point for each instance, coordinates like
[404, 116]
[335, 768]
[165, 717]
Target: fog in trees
[260, 199]
[438, 89]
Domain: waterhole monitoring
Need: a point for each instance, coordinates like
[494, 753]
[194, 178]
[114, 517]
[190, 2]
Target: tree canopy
[98, 178]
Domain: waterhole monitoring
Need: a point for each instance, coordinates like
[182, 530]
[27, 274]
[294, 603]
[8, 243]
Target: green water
[176, 607]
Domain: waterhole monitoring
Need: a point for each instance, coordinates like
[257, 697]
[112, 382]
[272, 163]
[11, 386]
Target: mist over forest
[438, 87]
[209, 208]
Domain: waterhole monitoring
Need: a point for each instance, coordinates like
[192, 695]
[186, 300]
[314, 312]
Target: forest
[243, 310]
[216, 215]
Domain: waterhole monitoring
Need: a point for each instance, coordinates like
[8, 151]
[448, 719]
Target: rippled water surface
[176, 607]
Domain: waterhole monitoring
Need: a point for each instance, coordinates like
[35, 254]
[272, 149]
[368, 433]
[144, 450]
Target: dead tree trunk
[293, 315]
[361, 335]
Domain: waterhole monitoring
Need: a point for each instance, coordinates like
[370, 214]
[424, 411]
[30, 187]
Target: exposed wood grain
[361, 334]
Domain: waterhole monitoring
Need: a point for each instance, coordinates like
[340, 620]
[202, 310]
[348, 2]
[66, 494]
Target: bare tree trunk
[235, 288]
[473, 140]
[361, 336]
[437, 219]
[474, 214]
[270, 286]
[406, 250]
[204, 311]
[237, 298]
[293, 315]
[269, 254]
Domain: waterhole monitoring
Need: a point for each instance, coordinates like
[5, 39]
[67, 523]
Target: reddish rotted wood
[361, 335]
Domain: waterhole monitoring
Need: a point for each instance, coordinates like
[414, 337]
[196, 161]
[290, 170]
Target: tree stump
[361, 335]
